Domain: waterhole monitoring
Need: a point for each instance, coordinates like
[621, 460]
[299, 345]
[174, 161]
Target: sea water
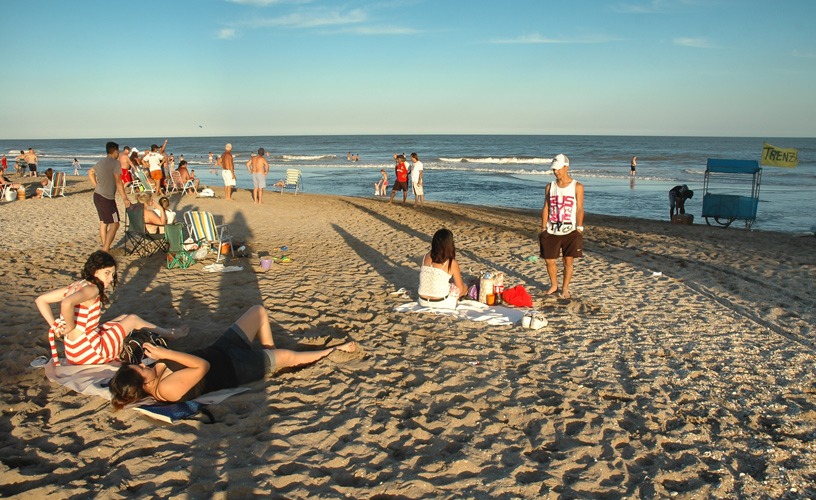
[493, 170]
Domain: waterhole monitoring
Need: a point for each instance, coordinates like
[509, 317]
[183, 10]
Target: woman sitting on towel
[155, 216]
[87, 342]
[231, 361]
[439, 266]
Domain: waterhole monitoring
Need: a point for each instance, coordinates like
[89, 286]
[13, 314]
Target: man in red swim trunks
[402, 179]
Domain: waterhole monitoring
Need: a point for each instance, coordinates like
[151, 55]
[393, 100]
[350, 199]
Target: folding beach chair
[57, 187]
[146, 186]
[203, 229]
[177, 255]
[182, 186]
[293, 180]
[142, 243]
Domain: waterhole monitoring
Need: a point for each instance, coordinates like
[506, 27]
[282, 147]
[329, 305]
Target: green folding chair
[177, 256]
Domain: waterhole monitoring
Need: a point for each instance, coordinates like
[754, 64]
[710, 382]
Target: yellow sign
[773, 156]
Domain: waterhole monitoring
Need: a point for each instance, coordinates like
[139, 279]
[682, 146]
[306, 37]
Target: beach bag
[473, 292]
[206, 193]
[132, 350]
[517, 296]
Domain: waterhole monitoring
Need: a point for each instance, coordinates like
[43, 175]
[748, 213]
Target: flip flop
[402, 292]
[39, 362]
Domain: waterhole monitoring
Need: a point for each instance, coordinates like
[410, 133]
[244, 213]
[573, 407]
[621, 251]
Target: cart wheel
[724, 223]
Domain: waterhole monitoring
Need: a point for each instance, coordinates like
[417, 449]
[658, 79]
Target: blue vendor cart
[736, 191]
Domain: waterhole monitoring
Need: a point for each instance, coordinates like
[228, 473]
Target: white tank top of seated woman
[435, 283]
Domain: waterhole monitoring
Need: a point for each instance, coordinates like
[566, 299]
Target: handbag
[133, 350]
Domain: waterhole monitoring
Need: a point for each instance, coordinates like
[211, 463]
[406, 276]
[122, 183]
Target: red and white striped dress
[97, 345]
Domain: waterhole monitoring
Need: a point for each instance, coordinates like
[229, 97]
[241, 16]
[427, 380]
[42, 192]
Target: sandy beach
[684, 365]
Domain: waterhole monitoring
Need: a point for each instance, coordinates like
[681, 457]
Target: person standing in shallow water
[259, 168]
[562, 220]
[633, 166]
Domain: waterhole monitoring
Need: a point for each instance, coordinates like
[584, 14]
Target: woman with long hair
[439, 268]
[86, 342]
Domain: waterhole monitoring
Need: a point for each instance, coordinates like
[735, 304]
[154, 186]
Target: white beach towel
[92, 380]
[472, 310]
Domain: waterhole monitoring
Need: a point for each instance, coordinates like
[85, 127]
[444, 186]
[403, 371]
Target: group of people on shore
[403, 174]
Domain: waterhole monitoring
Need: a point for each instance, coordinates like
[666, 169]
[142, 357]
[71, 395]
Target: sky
[181, 68]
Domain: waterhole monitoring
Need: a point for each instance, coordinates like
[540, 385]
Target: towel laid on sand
[472, 310]
[93, 379]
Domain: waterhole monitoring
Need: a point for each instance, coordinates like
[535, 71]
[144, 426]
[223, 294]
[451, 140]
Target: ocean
[497, 170]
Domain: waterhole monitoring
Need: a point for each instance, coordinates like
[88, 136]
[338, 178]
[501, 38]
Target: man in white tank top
[562, 224]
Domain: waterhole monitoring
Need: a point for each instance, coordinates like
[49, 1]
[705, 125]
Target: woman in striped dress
[86, 342]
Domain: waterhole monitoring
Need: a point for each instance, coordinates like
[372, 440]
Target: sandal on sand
[402, 292]
[39, 362]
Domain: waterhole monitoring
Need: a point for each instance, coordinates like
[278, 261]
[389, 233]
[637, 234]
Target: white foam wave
[307, 157]
[510, 160]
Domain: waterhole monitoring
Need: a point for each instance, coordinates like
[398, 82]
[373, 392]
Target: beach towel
[92, 380]
[472, 310]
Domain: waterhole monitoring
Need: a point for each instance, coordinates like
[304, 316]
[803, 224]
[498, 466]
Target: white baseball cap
[560, 161]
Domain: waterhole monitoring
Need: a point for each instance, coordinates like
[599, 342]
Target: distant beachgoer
[348, 156]
[20, 163]
[562, 220]
[46, 183]
[185, 175]
[126, 164]
[211, 157]
[381, 186]
[227, 171]
[233, 360]
[416, 180]
[677, 200]
[633, 166]
[87, 342]
[33, 161]
[4, 163]
[76, 166]
[438, 268]
[106, 177]
[402, 179]
[357, 157]
[155, 162]
[259, 168]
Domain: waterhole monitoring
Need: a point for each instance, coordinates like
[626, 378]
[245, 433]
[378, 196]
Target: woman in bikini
[155, 214]
[86, 342]
[234, 359]
[439, 267]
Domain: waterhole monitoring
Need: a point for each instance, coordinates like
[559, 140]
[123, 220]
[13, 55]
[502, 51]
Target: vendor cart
[728, 195]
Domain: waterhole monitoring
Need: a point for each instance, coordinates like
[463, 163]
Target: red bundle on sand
[517, 296]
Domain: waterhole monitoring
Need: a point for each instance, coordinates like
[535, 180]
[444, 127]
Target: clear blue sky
[85, 68]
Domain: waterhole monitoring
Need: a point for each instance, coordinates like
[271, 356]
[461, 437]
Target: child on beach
[231, 361]
[381, 186]
[86, 342]
[439, 267]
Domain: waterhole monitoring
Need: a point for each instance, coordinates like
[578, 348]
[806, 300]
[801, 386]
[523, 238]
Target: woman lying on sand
[439, 266]
[85, 341]
[231, 361]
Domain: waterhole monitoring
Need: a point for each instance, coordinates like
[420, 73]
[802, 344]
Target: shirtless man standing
[259, 168]
[33, 161]
[228, 171]
[124, 161]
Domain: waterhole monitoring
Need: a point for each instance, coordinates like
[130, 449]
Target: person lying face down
[244, 353]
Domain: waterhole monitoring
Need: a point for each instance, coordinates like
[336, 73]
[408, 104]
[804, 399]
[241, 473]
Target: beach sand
[698, 382]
